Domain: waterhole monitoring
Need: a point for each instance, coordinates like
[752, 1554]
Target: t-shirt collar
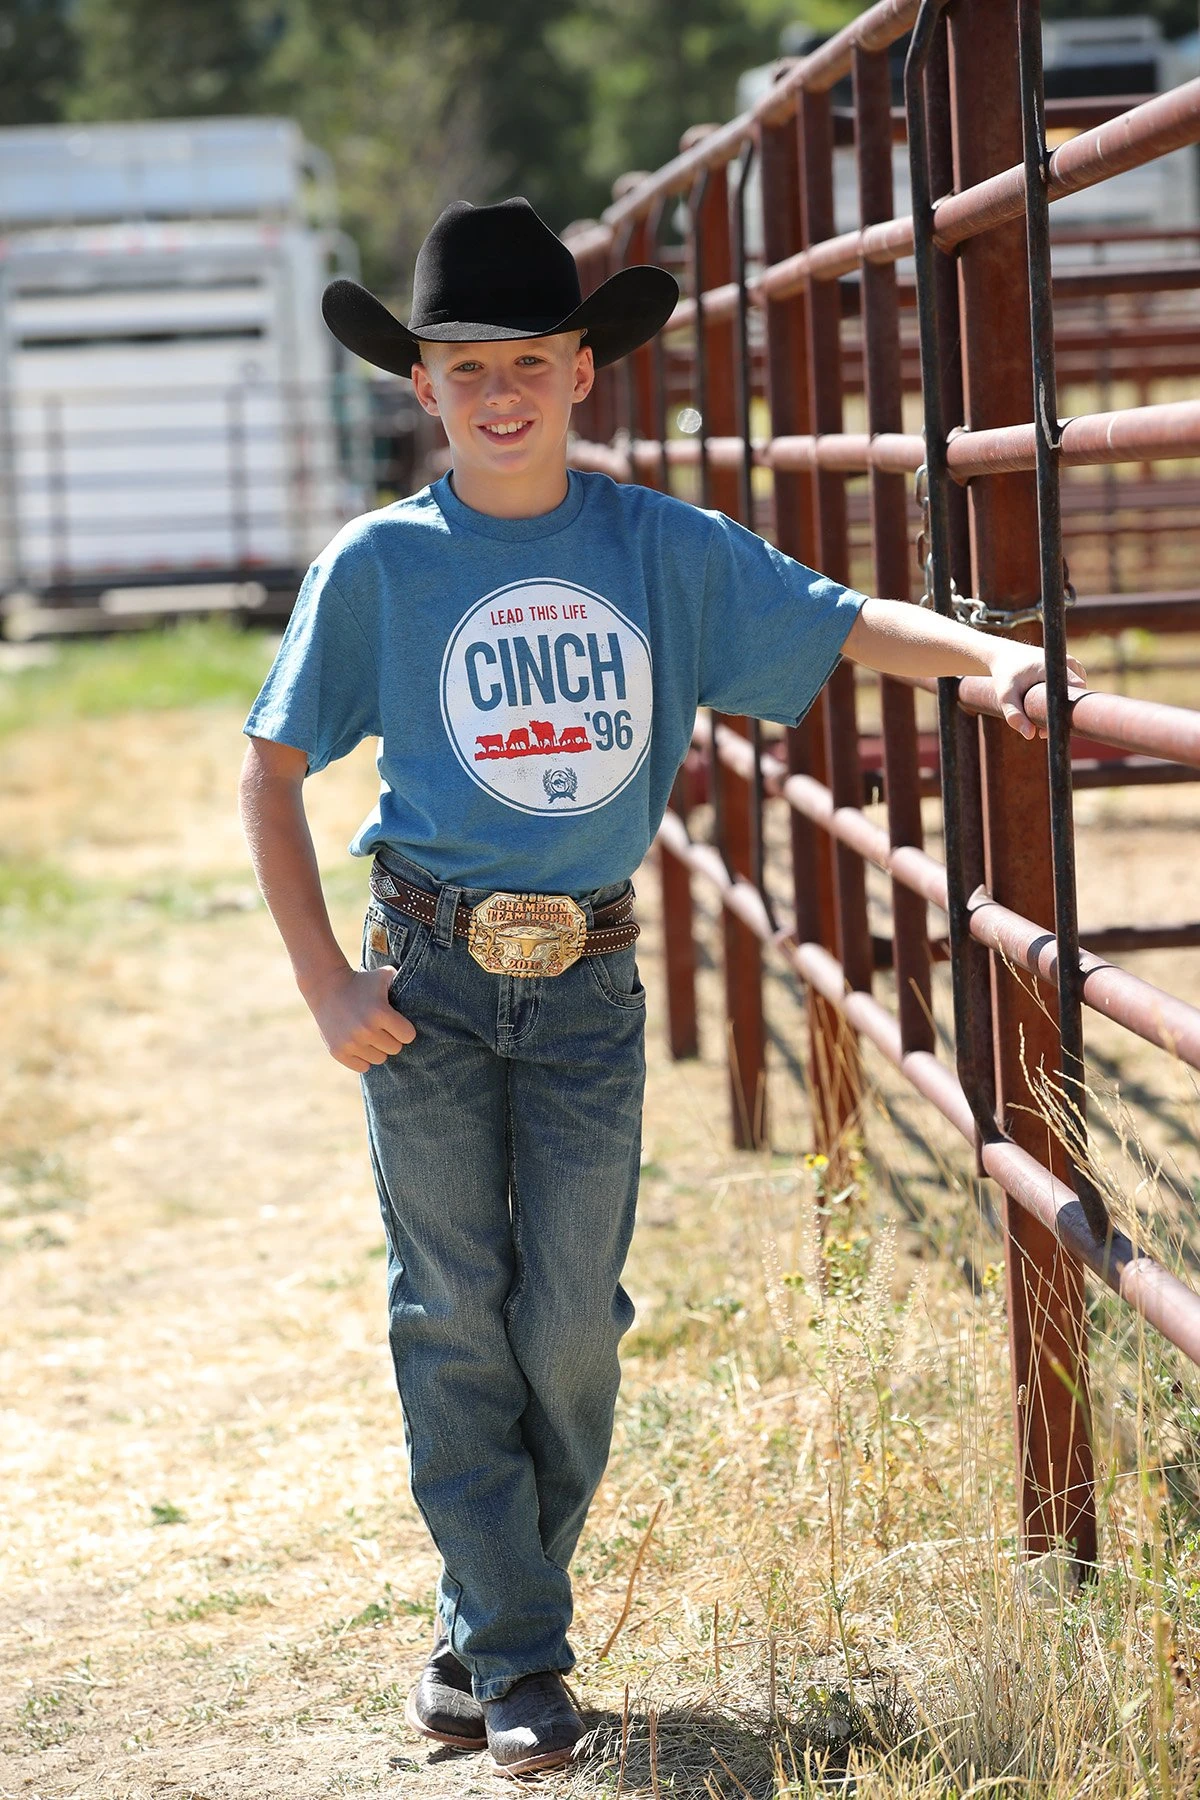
[511, 531]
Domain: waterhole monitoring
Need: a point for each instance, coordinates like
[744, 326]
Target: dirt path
[215, 1586]
[215, 1582]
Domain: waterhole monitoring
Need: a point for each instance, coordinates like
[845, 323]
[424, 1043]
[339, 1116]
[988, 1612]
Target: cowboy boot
[441, 1705]
[534, 1726]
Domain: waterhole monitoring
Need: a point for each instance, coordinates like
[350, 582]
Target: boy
[530, 646]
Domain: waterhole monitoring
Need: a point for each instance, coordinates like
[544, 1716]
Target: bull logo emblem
[560, 784]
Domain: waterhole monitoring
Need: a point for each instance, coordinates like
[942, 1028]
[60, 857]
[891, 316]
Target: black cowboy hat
[499, 272]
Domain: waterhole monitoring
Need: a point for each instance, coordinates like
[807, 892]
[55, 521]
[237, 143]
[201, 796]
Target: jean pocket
[390, 940]
[616, 975]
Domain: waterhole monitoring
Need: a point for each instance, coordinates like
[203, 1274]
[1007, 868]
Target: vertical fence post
[648, 420]
[882, 379]
[1047, 1318]
[679, 934]
[588, 419]
[1044, 400]
[239, 498]
[641, 247]
[831, 1049]
[57, 501]
[605, 395]
[716, 372]
[973, 1048]
[296, 399]
[11, 553]
[840, 1080]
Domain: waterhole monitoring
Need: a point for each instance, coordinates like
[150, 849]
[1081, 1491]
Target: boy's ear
[585, 373]
[423, 388]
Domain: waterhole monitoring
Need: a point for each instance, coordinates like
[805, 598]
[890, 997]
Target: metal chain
[965, 608]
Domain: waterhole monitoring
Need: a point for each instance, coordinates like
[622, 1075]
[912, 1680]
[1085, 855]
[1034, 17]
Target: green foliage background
[418, 102]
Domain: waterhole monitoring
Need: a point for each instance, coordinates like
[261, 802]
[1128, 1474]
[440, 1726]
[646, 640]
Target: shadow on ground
[707, 1750]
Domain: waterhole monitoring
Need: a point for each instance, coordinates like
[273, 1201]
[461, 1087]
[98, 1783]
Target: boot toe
[532, 1727]
[441, 1706]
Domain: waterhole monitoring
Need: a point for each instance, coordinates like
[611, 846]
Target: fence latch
[965, 607]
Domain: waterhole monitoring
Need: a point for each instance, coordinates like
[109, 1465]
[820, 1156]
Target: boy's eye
[468, 366]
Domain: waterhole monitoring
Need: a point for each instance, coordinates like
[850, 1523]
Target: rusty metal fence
[791, 347]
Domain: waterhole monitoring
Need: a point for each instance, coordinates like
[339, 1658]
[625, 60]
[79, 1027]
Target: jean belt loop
[447, 909]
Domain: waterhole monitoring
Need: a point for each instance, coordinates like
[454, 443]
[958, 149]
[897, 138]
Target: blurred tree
[37, 60]
[396, 107]
[417, 101]
[392, 99]
[145, 59]
[1177, 17]
[573, 95]
[651, 68]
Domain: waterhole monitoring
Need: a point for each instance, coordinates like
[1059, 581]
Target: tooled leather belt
[519, 934]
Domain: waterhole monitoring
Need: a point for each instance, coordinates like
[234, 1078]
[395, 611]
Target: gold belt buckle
[527, 934]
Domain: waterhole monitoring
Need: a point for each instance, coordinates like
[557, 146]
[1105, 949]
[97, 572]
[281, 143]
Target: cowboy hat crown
[491, 272]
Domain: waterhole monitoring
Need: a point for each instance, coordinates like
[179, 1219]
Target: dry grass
[214, 1583]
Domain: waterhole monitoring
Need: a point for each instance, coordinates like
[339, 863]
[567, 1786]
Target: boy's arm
[896, 638]
[349, 1005]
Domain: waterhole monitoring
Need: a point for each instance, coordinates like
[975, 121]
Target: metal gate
[793, 349]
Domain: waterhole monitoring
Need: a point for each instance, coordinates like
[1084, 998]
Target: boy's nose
[500, 389]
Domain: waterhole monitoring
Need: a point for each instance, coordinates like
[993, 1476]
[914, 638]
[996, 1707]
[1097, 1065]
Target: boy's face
[506, 404]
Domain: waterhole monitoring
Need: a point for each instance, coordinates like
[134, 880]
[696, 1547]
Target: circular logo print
[547, 696]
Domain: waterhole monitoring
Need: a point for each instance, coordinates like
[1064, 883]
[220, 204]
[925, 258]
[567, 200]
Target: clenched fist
[358, 1026]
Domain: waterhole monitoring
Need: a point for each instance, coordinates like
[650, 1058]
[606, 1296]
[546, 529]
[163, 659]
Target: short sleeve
[772, 630]
[322, 692]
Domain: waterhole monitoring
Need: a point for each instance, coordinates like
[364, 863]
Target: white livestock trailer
[172, 409]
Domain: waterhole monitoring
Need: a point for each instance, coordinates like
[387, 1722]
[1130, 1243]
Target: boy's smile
[506, 430]
[506, 405]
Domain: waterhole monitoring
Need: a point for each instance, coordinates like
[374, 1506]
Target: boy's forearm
[285, 863]
[896, 638]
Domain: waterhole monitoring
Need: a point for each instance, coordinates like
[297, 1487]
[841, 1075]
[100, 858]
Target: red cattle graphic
[571, 738]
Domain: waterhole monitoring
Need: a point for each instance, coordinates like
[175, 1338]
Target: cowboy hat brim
[623, 313]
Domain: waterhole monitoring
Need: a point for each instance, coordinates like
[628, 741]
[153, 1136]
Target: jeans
[505, 1145]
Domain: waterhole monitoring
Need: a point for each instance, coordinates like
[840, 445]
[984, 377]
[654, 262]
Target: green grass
[35, 889]
[165, 1512]
[197, 663]
[383, 1612]
[185, 1611]
[39, 894]
[36, 1180]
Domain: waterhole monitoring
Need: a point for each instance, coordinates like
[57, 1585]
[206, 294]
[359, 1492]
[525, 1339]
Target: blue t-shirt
[534, 682]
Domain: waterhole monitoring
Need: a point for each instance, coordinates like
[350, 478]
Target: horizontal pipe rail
[1157, 1017]
[877, 28]
[834, 319]
[1159, 1296]
[1154, 128]
[1158, 126]
[1179, 612]
[835, 258]
[1137, 434]
[1167, 122]
[1147, 727]
[1109, 938]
